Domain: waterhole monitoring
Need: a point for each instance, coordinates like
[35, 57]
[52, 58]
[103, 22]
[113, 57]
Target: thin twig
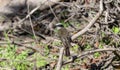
[27, 16]
[11, 42]
[28, 7]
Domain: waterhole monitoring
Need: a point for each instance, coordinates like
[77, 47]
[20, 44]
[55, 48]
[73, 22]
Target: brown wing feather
[64, 36]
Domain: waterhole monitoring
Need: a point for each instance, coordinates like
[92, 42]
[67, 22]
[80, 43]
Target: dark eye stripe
[59, 26]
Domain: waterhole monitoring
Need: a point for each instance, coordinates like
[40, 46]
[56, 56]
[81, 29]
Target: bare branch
[91, 22]
[91, 52]
[59, 64]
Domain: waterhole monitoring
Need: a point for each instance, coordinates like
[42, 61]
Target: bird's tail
[67, 52]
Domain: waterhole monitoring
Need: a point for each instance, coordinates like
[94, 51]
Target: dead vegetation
[94, 27]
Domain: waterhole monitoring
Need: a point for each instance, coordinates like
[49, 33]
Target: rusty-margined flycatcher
[64, 37]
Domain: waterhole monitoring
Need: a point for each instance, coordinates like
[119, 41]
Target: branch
[90, 24]
[59, 64]
[90, 52]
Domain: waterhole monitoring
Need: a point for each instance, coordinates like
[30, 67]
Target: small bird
[64, 37]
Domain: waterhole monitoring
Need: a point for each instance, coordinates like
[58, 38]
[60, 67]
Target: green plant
[65, 67]
[75, 48]
[40, 60]
[46, 49]
[57, 43]
[65, 24]
[7, 38]
[100, 45]
[96, 55]
[116, 30]
[17, 61]
[88, 46]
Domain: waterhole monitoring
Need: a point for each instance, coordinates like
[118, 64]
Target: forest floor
[32, 42]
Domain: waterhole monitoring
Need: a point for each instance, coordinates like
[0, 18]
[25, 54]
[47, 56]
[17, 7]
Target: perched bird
[64, 37]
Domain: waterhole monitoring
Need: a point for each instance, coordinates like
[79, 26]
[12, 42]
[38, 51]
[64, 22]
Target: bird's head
[59, 26]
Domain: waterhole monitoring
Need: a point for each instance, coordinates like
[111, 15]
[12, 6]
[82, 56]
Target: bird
[64, 37]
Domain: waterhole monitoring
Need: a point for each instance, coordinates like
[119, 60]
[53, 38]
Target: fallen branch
[90, 24]
[90, 52]
[59, 64]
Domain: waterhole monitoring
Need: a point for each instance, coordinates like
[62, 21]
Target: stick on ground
[59, 64]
